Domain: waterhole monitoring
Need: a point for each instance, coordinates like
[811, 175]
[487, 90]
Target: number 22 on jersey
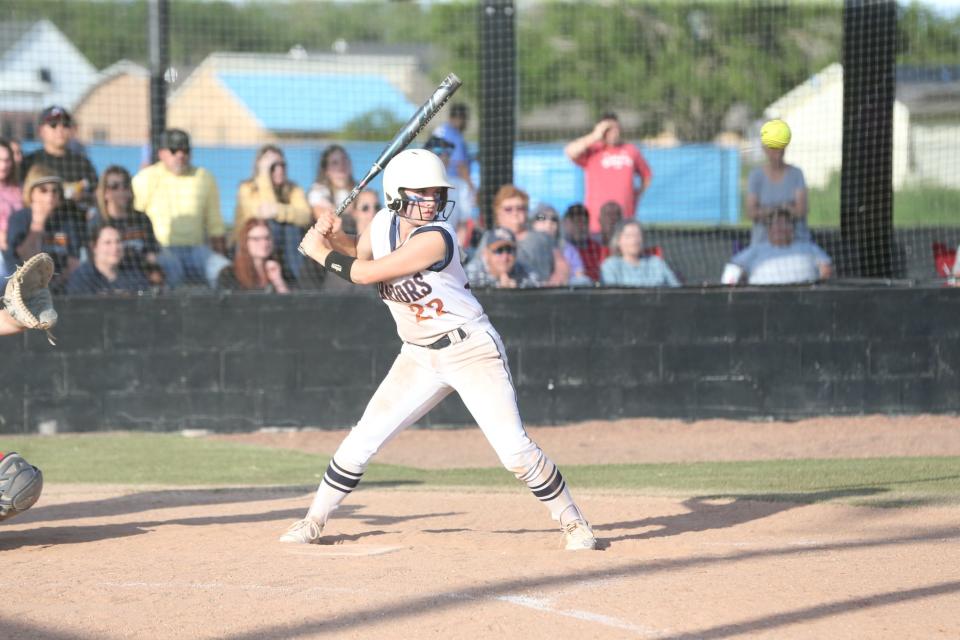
[429, 310]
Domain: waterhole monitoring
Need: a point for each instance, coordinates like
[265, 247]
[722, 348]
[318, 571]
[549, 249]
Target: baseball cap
[438, 145]
[175, 139]
[55, 113]
[498, 237]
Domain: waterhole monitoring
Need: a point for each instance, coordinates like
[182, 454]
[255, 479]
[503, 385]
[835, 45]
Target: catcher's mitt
[27, 298]
[20, 485]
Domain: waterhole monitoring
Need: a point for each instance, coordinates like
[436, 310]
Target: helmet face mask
[410, 171]
[410, 206]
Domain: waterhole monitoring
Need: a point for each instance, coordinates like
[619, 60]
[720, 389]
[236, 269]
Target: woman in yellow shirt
[269, 195]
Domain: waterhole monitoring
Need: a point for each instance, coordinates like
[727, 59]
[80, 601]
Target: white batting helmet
[412, 169]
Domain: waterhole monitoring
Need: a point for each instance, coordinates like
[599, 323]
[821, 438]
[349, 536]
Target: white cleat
[578, 536]
[306, 531]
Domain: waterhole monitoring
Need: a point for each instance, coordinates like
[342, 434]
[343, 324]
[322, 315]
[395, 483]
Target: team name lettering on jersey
[408, 290]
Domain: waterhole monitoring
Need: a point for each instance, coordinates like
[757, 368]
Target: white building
[814, 111]
[39, 66]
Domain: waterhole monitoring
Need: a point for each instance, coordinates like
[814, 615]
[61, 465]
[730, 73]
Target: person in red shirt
[609, 166]
[576, 222]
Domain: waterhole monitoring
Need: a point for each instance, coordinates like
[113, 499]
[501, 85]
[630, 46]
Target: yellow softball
[775, 134]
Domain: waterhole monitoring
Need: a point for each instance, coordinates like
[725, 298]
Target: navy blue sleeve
[439, 266]
[17, 228]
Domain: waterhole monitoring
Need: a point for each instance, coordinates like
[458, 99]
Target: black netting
[284, 105]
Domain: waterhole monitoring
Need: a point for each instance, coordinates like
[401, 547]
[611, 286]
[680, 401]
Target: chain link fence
[285, 104]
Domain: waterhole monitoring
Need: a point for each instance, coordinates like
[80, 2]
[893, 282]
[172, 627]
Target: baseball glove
[20, 485]
[27, 298]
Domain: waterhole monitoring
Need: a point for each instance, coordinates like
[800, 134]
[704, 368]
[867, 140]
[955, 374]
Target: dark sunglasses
[116, 186]
[504, 249]
[541, 216]
[183, 149]
[278, 164]
[57, 123]
[367, 207]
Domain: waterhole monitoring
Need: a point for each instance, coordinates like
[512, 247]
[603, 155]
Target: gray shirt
[776, 194]
[535, 251]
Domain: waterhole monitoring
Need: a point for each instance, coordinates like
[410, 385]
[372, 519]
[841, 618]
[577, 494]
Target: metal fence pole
[159, 33]
[498, 98]
[869, 89]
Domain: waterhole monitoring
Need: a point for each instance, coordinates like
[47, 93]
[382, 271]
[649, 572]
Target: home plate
[340, 551]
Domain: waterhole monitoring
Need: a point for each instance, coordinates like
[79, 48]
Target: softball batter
[412, 255]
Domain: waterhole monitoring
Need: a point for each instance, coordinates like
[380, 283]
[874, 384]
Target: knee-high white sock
[336, 485]
[547, 484]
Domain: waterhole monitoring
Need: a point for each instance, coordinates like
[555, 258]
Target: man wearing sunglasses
[497, 266]
[183, 204]
[79, 176]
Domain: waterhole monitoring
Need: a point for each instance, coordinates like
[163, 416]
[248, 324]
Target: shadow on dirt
[139, 501]
[721, 511]
[356, 620]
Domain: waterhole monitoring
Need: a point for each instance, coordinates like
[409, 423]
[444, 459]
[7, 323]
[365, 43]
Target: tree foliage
[681, 66]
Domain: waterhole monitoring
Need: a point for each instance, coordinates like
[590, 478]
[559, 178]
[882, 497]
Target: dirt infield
[105, 562]
[647, 440]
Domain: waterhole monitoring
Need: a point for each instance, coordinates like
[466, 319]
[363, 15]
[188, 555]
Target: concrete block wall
[239, 362]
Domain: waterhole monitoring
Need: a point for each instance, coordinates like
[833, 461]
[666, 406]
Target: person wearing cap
[43, 226]
[576, 226]
[460, 160]
[610, 169]
[496, 265]
[183, 204]
[56, 130]
[776, 185]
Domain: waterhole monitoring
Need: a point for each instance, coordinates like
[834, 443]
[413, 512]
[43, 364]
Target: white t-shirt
[431, 303]
[769, 264]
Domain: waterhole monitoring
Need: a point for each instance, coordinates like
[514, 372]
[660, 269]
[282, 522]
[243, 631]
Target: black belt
[445, 341]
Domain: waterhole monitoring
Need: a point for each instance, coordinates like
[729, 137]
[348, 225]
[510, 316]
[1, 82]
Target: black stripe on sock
[563, 485]
[335, 476]
[551, 487]
[344, 472]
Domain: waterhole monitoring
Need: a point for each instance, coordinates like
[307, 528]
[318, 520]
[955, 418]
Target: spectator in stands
[11, 198]
[365, 207]
[496, 264]
[141, 250]
[17, 155]
[536, 251]
[576, 226]
[183, 204]
[60, 155]
[630, 266]
[460, 160]
[781, 260]
[776, 185]
[43, 226]
[611, 215]
[334, 180]
[609, 168]
[546, 220]
[271, 196]
[461, 213]
[254, 266]
[102, 274]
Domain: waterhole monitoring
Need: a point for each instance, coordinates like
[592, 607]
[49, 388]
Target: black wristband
[339, 264]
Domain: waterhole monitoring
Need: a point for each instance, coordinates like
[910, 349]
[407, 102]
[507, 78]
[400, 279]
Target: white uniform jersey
[434, 302]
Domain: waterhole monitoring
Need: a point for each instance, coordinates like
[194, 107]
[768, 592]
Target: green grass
[167, 459]
[916, 206]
